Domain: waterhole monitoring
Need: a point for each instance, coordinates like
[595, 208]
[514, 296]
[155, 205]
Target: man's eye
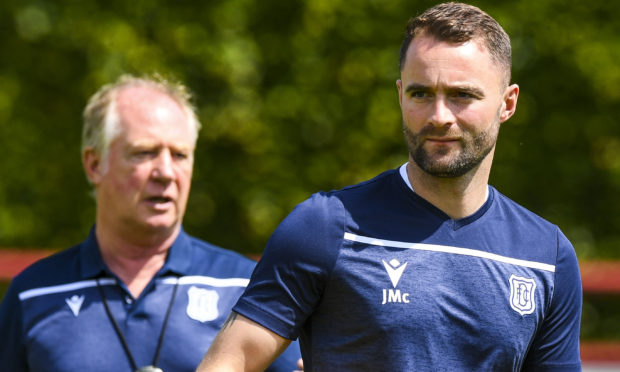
[180, 155]
[144, 153]
[419, 94]
[464, 95]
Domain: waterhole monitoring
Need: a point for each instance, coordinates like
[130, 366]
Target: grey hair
[101, 119]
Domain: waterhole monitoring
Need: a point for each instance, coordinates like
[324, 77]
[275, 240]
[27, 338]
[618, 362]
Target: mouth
[159, 199]
[442, 140]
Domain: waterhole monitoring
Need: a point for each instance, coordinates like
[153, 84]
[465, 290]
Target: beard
[473, 149]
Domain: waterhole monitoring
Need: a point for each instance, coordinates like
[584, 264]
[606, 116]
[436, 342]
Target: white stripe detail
[449, 249]
[35, 292]
[195, 279]
[207, 280]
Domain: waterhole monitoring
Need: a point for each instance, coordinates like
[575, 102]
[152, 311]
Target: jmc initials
[394, 295]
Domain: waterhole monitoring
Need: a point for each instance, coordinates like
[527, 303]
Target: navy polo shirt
[53, 317]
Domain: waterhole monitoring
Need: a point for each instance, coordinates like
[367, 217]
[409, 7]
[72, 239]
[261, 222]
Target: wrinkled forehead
[425, 42]
[147, 101]
[427, 51]
[145, 114]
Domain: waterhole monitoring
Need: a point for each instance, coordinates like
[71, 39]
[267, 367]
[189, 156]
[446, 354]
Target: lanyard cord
[163, 327]
[121, 337]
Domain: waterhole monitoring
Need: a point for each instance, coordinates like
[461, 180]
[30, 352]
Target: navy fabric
[52, 317]
[375, 278]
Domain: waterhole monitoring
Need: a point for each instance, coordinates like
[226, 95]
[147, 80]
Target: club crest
[202, 304]
[522, 294]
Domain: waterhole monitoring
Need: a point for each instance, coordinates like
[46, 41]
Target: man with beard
[425, 267]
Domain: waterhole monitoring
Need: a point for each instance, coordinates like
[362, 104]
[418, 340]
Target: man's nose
[163, 166]
[441, 114]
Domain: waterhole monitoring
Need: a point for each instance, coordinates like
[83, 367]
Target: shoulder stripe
[193, 279]
[449, 249]
[35, 292]
[207, 280]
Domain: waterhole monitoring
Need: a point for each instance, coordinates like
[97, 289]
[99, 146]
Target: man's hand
[300, 365]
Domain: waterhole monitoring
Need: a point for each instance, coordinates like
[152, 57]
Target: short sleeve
[556, 345]
[291, 275]
[12, 349]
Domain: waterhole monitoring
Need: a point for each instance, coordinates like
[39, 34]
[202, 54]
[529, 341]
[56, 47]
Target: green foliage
[599, 320]
[295, 97]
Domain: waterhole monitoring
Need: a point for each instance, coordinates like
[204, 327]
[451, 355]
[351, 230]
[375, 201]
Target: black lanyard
[121, 337]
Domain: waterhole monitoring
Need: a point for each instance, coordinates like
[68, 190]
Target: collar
[178, 260]
[403, 174]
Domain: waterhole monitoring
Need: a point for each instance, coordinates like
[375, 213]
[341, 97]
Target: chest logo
[75, 303]
[394, 270]
[522, 294]
[202, 304]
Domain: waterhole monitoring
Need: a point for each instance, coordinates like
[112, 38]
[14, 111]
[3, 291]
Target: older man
[138, 294]
[425, 267]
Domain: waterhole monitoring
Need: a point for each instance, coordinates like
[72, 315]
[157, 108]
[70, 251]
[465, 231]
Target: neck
[458, 197]
[135, 261]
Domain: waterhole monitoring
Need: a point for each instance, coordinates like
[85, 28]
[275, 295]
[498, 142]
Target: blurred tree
[298, 96]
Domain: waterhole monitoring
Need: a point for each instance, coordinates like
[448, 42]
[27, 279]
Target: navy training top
[375, 278]
[53, 319]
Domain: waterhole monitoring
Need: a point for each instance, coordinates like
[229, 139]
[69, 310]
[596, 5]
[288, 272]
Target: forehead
[468, 61]
[147, 114]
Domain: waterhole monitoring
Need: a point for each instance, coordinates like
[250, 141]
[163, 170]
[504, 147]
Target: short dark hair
[458, 23]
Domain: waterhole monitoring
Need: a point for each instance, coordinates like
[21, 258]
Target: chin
[161, 224]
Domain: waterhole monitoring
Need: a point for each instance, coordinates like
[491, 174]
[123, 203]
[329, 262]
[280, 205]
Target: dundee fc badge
[202, 304]
[522, 294]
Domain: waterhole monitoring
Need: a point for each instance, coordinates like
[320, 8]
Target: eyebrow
[460, 88]
[155, 144]
[414, 86]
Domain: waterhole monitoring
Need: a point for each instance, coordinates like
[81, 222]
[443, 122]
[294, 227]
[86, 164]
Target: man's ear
[510, 98]
[399, 85]
[91, 160]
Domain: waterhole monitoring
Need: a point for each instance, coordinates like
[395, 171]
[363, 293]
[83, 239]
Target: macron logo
[75, 303]
[392, 295]
[394, 270]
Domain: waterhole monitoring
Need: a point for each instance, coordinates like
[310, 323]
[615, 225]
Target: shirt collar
[180, 255]
[92, 264]
[178, 261]
[403, 174]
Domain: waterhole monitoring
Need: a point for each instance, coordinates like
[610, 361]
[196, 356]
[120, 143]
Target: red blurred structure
[600, 277]
[13, 261]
